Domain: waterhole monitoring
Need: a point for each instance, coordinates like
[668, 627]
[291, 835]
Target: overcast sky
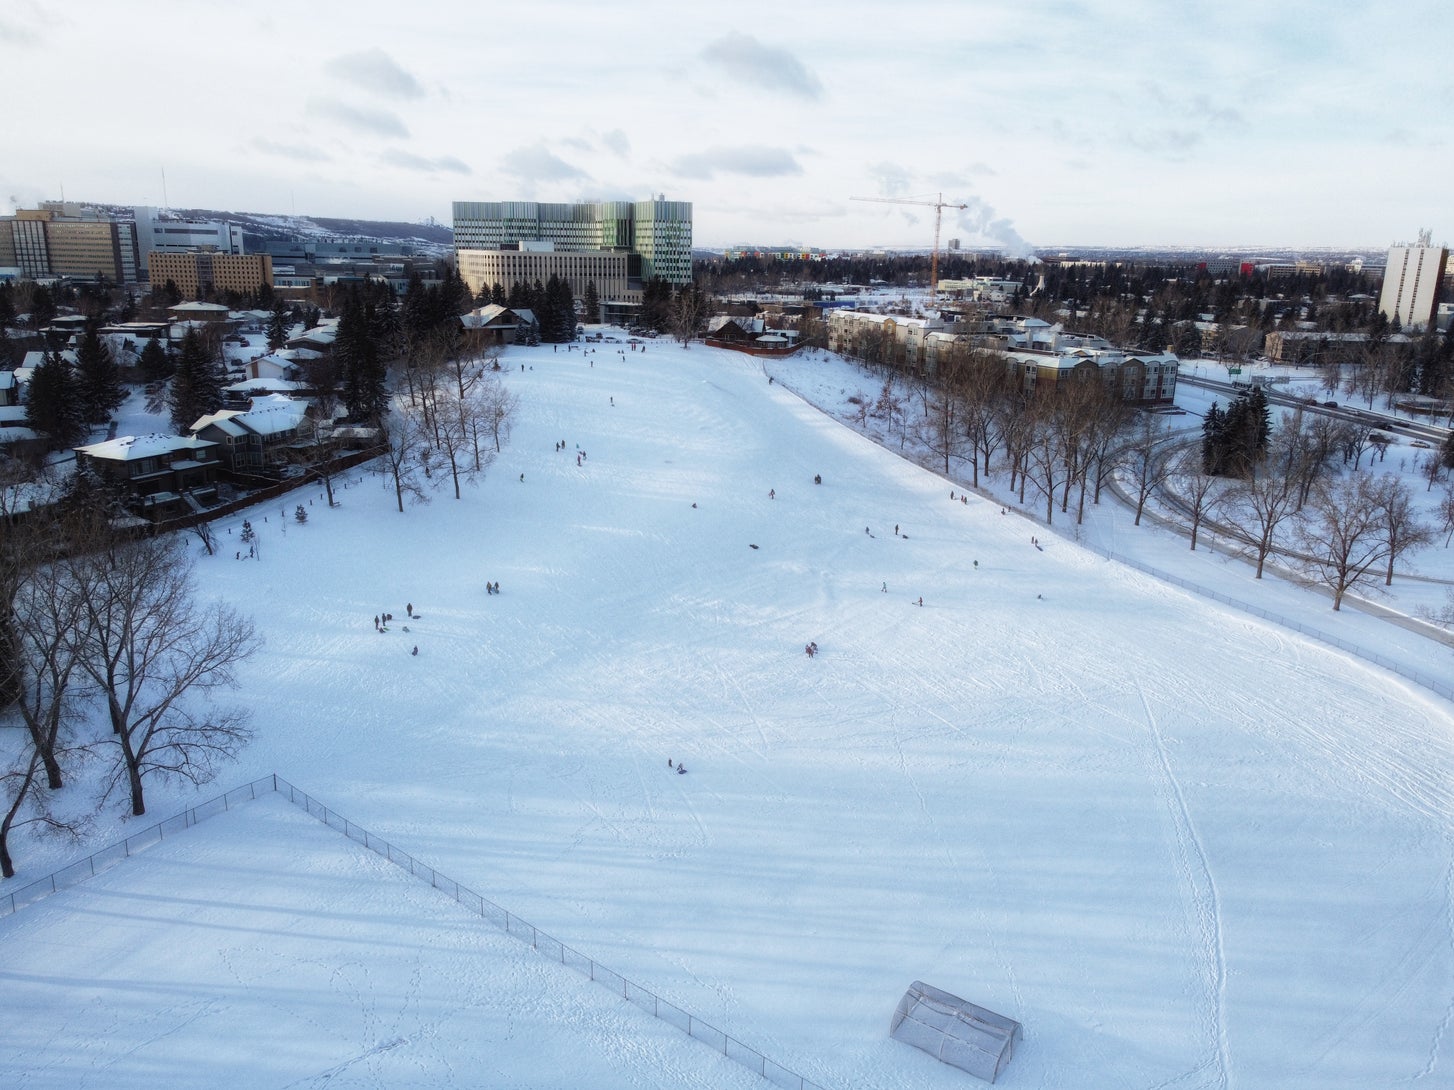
[1058, 122]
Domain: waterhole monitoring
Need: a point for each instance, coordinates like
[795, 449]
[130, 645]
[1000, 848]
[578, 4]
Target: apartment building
[658, 232]
[220, 273]
[1412, 282]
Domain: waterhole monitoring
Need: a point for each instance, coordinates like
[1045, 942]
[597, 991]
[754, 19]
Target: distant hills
[267, 226]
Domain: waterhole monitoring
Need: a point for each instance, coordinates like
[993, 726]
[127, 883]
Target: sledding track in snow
[1184, 849]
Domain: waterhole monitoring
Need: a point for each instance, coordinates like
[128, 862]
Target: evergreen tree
[1214, 442]
[1256, 431]
[364, 394]
[98, 378]
[277, 328]
[53, 403]
[155, 363]
[196, 384]
[42, 307]
[457, 298]
[385, 325]
[415, 315]
[497, 294]
[517, 297]
[592, 302]
[656, 304]
[7, 308]
[556, 312]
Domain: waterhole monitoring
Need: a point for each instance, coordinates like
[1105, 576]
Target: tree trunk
[138, 799]
[53, 779]
[7, 865]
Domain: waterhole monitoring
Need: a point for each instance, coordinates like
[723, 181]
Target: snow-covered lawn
[1183, 846]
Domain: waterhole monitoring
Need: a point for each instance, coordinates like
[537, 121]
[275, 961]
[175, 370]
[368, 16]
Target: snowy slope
[1183, 847]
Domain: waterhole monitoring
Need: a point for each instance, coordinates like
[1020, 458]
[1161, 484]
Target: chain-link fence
[512, 925]
[121, 850]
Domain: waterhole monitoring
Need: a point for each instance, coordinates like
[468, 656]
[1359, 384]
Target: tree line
[1298, 487]
[106, 657]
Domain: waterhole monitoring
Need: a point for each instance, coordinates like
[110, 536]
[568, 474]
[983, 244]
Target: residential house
[496, 325]
[273, 367]
[255, 440]
[734, 329]
[318, 339]
[165, 475]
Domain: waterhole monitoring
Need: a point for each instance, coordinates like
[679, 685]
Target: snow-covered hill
[1184, 847]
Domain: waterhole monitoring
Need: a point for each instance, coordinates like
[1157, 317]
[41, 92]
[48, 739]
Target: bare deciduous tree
[1144, 461]
[1339, 534]
[1397, 520]
[1197, 488]
[941, 429]
[1046, 463]
[497, 410]
[157, 659]
[26, 805]
[461, 421]
[406, 457]
[1258, 507]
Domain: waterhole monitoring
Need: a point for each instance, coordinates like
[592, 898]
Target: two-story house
[254, 440]
[165, 475]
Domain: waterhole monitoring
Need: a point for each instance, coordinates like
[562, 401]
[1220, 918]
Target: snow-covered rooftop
[130, 448]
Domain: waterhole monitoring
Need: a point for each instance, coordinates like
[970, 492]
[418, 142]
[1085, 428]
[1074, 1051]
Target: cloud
[1165, 141]
[357, 118]
[22, 22]
[1200, 108]
[301, 153]
[747, 60]
[1203, 107]
[14, 33]
[616, 141]
[539, 164]
[893, 180]
[446, 164]
[377, 72]
[753, 161]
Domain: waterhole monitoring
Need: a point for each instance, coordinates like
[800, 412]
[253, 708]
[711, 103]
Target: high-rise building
[658, 231]
[60, 239]
[168, 233]
[1412, 282]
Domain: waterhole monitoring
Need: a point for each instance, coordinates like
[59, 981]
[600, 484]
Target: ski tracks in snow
[1443, 1027]
[1197, 874]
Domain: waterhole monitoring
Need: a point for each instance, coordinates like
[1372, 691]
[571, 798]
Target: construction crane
[939, 206]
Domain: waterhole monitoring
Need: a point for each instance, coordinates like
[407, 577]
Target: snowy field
[1184, 847]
